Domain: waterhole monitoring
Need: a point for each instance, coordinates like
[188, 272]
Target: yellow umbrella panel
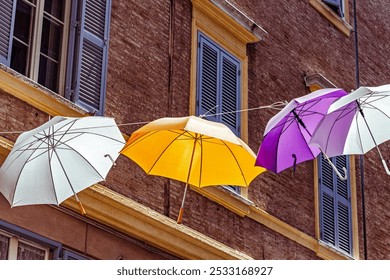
[192, 150]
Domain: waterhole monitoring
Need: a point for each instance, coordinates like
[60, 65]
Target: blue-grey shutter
[218, 84]
[92, 55]
[343, 200]
[207, 79]
[230, 89]
[335, 205]
[7, 17]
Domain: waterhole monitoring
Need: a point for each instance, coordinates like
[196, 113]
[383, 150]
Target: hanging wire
[275, 106]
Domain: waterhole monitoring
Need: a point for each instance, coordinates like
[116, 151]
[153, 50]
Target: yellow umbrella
[192, 150]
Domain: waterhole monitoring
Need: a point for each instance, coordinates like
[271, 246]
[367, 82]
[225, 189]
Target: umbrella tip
[180, 217]
[82, 209]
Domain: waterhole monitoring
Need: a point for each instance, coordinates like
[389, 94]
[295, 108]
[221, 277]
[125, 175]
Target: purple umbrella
[288, 133]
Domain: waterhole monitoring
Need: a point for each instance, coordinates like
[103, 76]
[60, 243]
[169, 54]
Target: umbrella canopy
[356, 123]
[192, 150]
[59, 159]
[288, 133]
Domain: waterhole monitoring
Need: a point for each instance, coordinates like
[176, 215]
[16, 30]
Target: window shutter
[343, 208]
[218, 84]
[7, 17]
[208, 73]
[335, 205]
[230, 93]
[92, 55]
[327, 220]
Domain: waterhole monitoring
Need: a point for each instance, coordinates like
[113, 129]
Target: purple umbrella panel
[287, 134]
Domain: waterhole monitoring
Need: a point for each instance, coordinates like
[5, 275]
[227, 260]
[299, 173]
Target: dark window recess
[336, 5]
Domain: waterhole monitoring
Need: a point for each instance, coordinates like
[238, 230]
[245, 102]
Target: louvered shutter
[230, 93]
[7, 17]
[207, 79]
[335, 205]
[343, 209]
[92, 55]
[218, 84]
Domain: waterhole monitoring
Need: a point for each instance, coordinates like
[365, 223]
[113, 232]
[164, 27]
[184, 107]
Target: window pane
[23, 21]
[28, 252]
[19, 57]
[51, 39]
[22, 37]
[55, 8]
[48, 73]
[4, 244]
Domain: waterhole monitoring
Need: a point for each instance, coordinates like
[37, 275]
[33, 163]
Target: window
[69, 255]
[218, 84]
[336, 5]
[219, 72]
[19, 244]
[335, 205]
[62, 45]
[16, 248]
[336, 12]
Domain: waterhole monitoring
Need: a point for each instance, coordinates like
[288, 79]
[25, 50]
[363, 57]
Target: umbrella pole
[345, 177]
[299, 120]
[181, 212]
[376, 145]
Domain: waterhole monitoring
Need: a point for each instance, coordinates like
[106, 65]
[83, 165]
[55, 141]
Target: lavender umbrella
[356, 123]
[287, 134]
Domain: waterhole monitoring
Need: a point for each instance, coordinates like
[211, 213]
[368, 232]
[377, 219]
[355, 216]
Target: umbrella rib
[21, 169]
[238, 163]
[143, 137]
[63, 170]
[358, 131]
[87, 161]
[343, 112]
[201, 159]
[166, 147]
[376, 108]
[80, 133]
[50, 155]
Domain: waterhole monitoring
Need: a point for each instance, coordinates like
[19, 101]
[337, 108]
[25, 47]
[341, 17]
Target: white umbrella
[59, 159]
[356, 123]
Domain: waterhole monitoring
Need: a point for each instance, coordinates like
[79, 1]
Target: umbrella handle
[345, 177]
[386, 167]
[180, 217]
[82, 210]
[110, 157]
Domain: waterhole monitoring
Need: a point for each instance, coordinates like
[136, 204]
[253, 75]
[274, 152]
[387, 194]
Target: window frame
[211, 20]
[93, 58]
[36, 41]
[18, 234]
[341, 23]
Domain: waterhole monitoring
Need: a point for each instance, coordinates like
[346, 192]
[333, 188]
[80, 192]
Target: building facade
[137, 61]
